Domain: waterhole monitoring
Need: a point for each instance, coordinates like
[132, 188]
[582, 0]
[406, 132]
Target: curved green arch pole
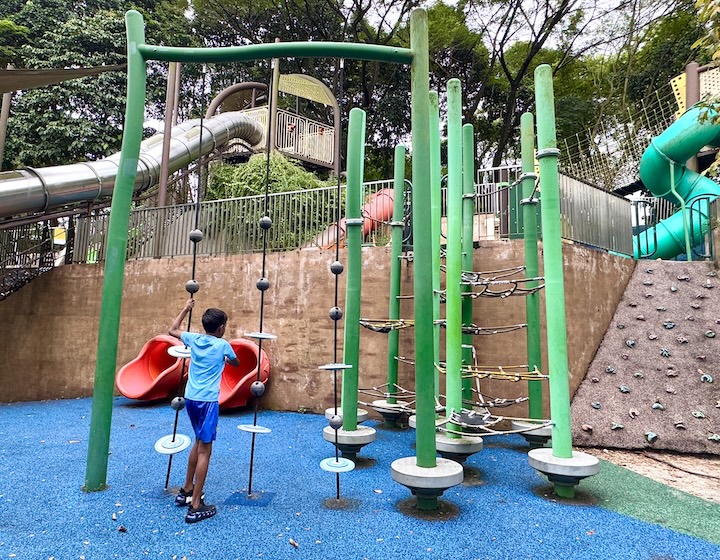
[468, 215]
[397, 239]
[453, 250]
[548, 154]
[138, 54]
[435, 217]
[353, 286]
[530, 236]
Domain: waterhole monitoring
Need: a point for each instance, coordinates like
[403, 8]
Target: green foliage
[297, 215]
[12, 37]
[233, 181]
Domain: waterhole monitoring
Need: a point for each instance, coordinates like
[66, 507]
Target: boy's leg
[204, 451]
[192, 465]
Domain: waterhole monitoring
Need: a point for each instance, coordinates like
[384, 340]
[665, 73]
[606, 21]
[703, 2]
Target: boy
[208, 355]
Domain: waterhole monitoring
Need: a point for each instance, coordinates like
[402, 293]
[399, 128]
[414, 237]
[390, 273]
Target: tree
[82, 119]
[12, 37]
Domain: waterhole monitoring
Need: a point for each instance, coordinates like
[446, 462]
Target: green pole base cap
[536, 438]
[564, 472]
[427, 483]
[349, 442]
[563, 491]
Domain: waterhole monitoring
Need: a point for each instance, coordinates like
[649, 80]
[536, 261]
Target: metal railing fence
[300, 219]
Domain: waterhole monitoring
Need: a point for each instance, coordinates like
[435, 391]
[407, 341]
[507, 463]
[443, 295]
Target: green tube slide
[663, 172]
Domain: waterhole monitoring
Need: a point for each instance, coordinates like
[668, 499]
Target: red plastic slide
[154, 374]
[379, 208]
[236, 381]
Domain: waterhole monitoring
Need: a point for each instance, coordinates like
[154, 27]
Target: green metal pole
[532, 302]
[101, 414]
[422, 245]
[553, 265]
[354, 223]
[453, 256]
[468, 216]
[397, 237]
[435, 213]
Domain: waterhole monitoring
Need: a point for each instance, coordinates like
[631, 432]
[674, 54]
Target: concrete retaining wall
[49, 327]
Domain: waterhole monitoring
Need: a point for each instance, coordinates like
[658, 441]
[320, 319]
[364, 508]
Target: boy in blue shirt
[208, 355]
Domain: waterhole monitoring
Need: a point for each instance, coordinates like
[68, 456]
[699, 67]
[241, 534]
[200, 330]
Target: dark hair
[213, 319]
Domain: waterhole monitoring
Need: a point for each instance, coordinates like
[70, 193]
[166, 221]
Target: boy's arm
[175, 328]
[234, 361]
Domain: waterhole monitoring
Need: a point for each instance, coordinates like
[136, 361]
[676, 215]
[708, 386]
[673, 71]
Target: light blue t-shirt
[207, 361]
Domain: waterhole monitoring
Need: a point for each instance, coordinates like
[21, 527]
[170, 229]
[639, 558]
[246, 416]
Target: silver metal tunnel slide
[31, 190]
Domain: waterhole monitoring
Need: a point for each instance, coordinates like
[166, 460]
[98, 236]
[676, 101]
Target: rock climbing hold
[708, 285]
[596, 405]
[625, 356]
[711, 273]
[648, 283]
[679, 425]
[609, 369]
[652, 336]
[638, 374]
[695, 305]
[672, 373]
[670, 390]
[657, 405]
[710, 334]
[620, 326]
[624, 389]
[661, 308]
[664, 352]
[717, 405]
[649, 270]
[616, 426]
[595, 380]
[698, 414]
[673, 288]
[701, 357]
[706, 378]
[714, 437]
[682, 340]
[689, 317]
[632, 304]
[587, 428]
[648, 295]
[651, 437]
[640, 317]
[683, 278]
[633, 413]
[630, 343]
[669, 325]
[700, 296]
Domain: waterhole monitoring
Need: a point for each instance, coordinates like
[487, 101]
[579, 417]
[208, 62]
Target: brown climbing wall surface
[655, 380]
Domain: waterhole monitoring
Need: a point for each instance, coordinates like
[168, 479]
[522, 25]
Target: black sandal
[203, 512]
[185, 498]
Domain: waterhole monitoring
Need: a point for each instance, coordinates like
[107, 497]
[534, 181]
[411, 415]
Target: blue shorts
[204, 419]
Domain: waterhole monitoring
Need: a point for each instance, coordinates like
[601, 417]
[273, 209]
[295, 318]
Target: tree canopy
[605, 54]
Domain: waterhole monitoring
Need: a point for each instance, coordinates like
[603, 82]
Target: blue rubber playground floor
[501, 512]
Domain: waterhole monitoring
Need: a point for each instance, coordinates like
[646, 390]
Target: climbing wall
[655, 380]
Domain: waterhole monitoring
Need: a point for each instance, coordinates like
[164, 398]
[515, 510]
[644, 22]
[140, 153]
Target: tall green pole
[354, 223]
[468, 216]
[101, 414]
[422, 244]
[435, 213]
[553, 265]
[532, 302]
[397, 237]
[453, 256]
